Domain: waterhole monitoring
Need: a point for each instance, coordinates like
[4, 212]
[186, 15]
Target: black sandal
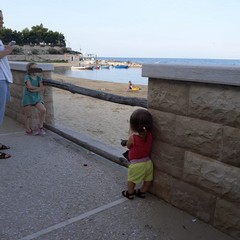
[4, 147]
[140, 194]
[130, 196]
[4, 155]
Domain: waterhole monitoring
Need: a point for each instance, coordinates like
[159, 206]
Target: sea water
[110, 75]
[135, 74]
[176, 60]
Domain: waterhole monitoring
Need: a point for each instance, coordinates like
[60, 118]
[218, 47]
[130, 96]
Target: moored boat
[82, 68]
[121, 66]
[105, 67]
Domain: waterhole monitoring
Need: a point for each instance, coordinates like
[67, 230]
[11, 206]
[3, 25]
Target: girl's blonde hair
[29, 65]
[141, 122]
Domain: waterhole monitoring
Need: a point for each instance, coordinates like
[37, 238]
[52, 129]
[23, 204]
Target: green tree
[6, 35]
[37, 35]
[25, 36]
[38, 32]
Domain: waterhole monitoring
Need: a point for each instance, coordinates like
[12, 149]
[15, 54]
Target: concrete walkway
[53, 189]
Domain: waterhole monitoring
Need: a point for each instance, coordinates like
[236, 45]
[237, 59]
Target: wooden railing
[132, 101]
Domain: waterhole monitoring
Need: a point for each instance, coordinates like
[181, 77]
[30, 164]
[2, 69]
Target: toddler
[33, 87]
[139, 144]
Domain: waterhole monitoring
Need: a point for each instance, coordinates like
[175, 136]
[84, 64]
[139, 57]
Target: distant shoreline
[101, 63]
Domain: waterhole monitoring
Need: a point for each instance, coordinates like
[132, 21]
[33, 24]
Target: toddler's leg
[42, 112]
[130, 192]
[142, 191]
[146, 185]
[27, 115]
[147, 180]
[131, 187]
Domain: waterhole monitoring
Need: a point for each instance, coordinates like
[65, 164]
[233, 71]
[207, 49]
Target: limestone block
[168, 96]
[168, 159]
[161, 185]
[193, 200]
[215, 176]
[50, 119]
[16, 91]
[18, 77]
[15, 104]
[48, 95]
[20, 118]
[218, 104]
[163, 125]
[227, 218]
[199, 136]
[231, 146]
[49, 109]
[10, 113]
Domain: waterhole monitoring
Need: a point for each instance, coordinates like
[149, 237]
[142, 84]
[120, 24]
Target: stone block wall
[196, 152]
[14, 108]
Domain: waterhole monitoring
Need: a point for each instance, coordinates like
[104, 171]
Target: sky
[136, 28]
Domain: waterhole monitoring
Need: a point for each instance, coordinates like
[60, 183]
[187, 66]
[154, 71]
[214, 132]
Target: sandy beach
[105, 121]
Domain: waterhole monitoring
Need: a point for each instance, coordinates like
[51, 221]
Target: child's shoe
[31, 133]
[41, 131]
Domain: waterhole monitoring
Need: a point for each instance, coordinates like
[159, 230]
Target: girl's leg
[27, 115]
[130, 192]
[142, 191]
[146, 185]
[42, 113]
[131, 187]
[147, 179]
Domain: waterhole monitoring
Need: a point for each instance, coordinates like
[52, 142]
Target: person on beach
[139, 144]
[33, 87]
[130, 86]
[5, 80]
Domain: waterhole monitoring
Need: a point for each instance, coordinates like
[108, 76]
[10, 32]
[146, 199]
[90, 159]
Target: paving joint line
[8, 134]
[73, 220]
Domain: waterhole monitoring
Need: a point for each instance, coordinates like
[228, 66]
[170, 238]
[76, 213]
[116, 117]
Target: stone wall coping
[21, 66]
[215, 74]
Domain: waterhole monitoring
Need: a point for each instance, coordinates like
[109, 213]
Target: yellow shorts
[138, 172]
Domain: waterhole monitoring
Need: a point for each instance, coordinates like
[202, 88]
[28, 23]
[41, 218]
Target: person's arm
[8, 49]
[32, 88]
[29, 86]
[130, 142]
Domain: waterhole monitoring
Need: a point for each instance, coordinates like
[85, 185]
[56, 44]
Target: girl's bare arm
[34, 89]
[130, 142]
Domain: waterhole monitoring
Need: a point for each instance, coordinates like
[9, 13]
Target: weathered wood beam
[132, 101]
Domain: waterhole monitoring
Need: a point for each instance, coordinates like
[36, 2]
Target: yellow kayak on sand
[135, 88]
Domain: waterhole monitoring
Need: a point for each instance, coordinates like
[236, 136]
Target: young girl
[139, 145]
[32, 98]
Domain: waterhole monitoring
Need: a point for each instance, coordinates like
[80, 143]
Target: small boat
[105, 67]
[82, 68]
[121, 66]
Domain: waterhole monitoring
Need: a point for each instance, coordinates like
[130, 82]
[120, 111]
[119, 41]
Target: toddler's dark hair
[141, 122]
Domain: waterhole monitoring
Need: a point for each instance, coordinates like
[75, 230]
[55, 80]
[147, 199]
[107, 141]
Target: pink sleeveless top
[140, 149]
